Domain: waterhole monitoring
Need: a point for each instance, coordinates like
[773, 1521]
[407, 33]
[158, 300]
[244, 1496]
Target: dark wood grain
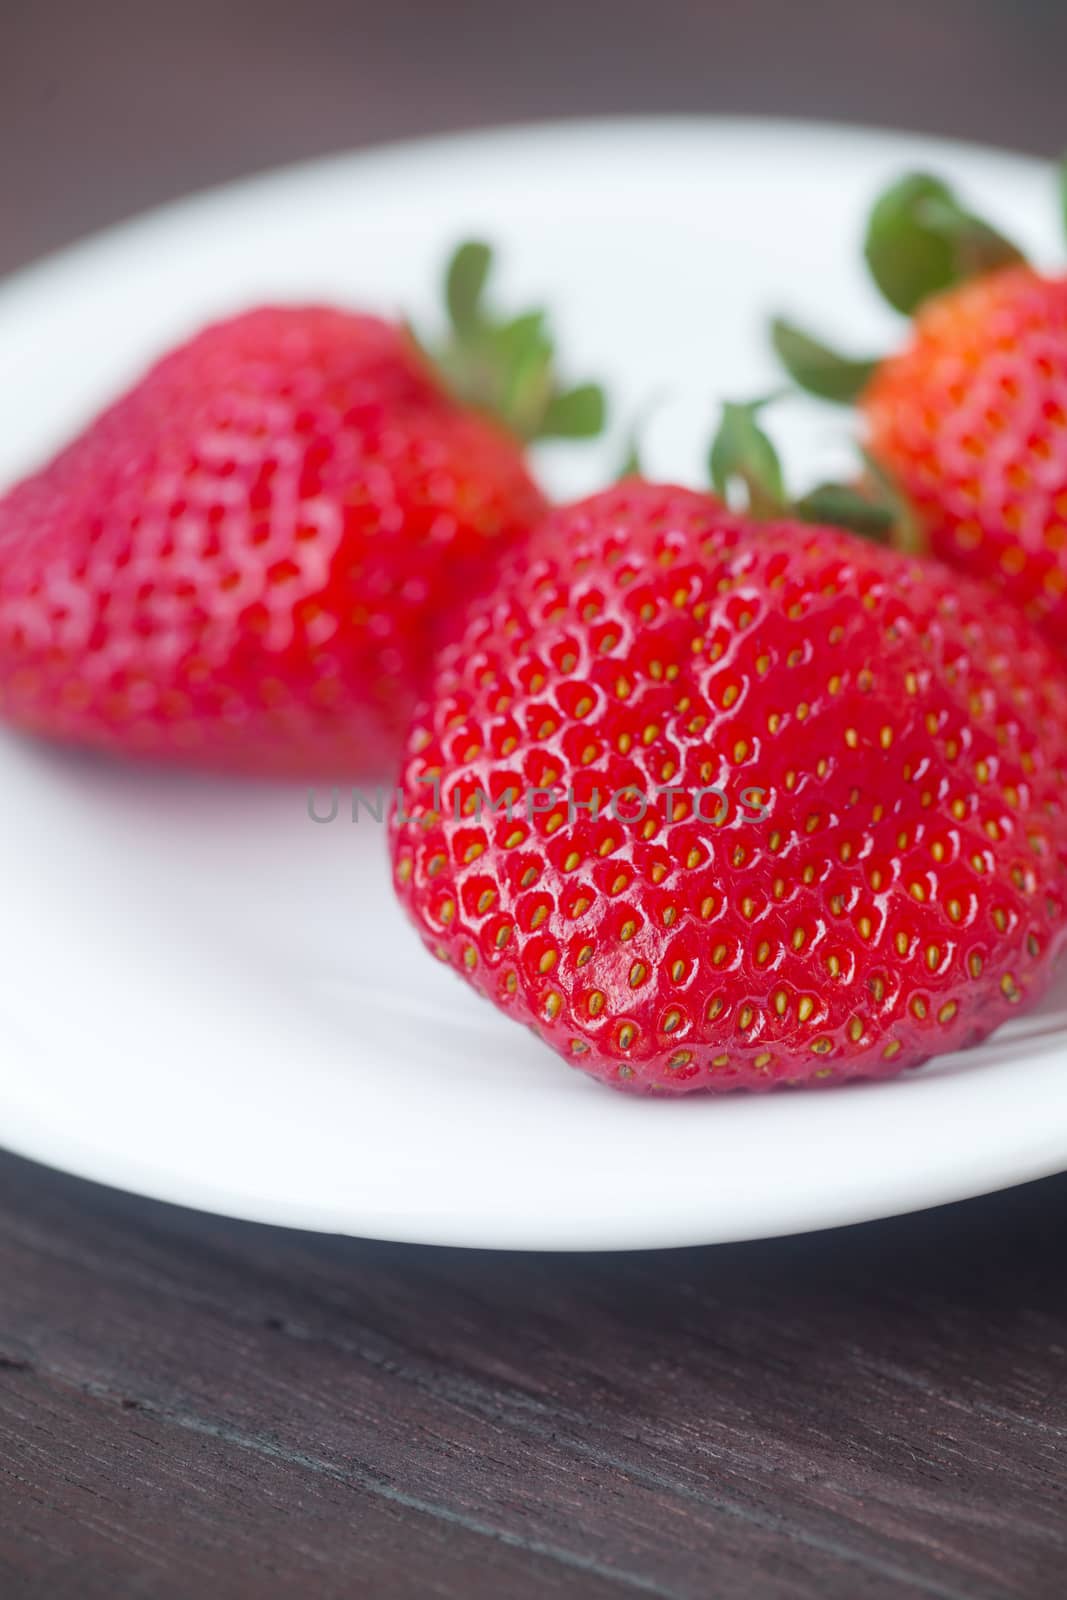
[196, 1408]
[192, 1406]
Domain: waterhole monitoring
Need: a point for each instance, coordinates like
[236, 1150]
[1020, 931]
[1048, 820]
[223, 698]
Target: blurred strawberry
[969, 420]
[247, 561]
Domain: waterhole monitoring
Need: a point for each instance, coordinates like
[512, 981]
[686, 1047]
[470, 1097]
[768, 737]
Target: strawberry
[969, 418]
[245, 563]
[830, 826]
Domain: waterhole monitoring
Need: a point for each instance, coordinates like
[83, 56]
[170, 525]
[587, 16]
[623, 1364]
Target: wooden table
[194, 1407]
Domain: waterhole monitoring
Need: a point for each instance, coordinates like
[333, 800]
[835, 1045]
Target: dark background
[107, 106]
[192, 1407]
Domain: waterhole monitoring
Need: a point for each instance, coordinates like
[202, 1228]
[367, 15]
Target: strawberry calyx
[920, 241]
[853, 506]
[746, 472]
[902, 527]
[744, 465]
[817, 368]
[505, 366]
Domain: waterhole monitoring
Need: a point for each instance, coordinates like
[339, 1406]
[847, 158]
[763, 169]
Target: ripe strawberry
[246, 562]
[881, 876]
[969, 419]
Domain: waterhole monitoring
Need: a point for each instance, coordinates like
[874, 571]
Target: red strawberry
[247, 560]
[881, 876]
[970, 418]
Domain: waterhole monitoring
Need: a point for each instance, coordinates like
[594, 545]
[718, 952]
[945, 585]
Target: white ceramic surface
[210, 999]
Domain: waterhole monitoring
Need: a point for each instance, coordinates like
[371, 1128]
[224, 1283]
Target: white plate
[209, 998]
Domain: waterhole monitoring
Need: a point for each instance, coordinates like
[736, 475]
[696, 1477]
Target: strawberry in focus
[968, 421]
[247, 561]
[886, 880]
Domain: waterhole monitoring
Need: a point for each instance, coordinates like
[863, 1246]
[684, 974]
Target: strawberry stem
[505, 366]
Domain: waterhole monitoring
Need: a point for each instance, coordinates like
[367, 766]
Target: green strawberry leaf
[906, 532]
[465, 280]
[816, 368]
[843, 506]
[920, 241]
[631, 465]
[743, 457]
[578, 413]
[522, 337]
[746, 471]
[524, 375]
[506, 366]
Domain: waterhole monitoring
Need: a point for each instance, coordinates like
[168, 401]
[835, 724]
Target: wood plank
[880, 1410]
